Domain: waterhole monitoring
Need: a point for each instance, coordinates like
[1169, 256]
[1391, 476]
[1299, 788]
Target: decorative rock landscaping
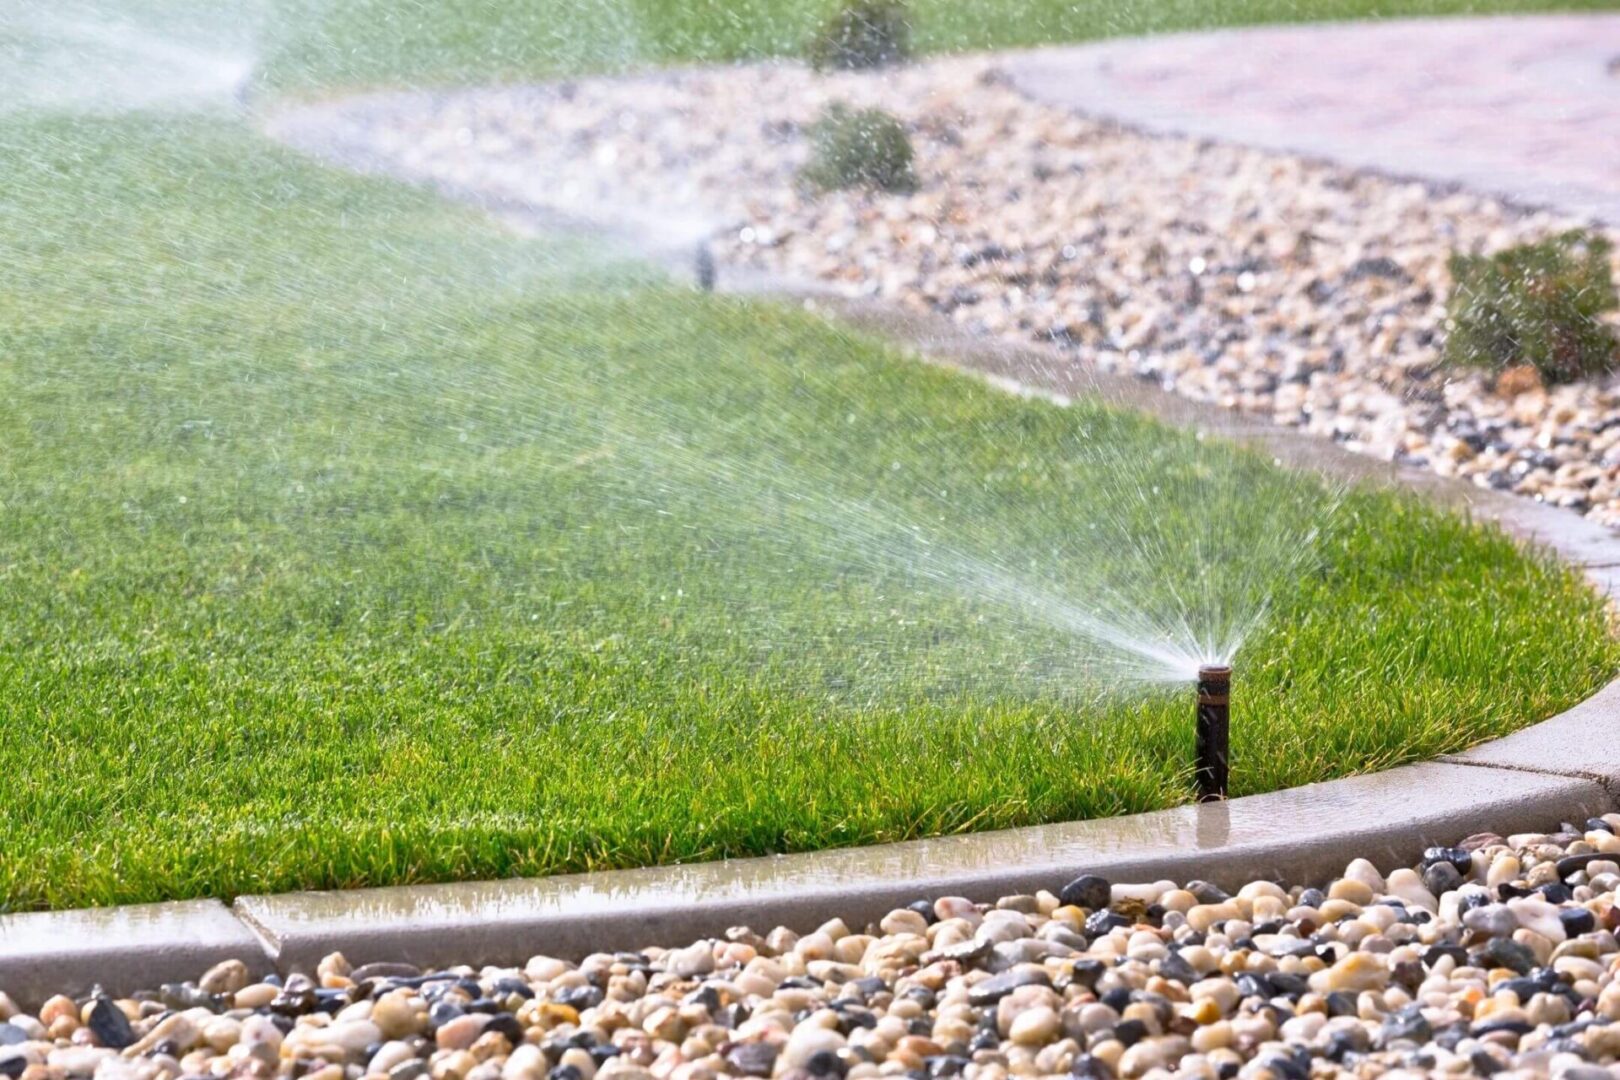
[1306, 292]
[1497, 954]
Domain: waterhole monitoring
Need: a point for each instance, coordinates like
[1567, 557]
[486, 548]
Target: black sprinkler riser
[1212, 734]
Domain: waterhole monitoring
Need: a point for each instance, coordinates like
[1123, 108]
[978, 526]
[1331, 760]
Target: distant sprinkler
[1212, 745]
[705, 268]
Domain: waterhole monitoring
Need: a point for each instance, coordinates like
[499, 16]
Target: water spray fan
[1212, 731]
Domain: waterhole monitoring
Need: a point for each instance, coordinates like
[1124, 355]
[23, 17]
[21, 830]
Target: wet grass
[345, 540]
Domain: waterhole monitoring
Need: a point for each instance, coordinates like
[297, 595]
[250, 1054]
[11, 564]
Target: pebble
[225, 977]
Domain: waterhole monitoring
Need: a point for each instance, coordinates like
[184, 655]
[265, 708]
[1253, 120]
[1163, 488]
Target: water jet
[1211, 739]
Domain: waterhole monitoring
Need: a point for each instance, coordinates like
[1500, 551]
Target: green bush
[859, 148]
[862, 34]
[1534, 304]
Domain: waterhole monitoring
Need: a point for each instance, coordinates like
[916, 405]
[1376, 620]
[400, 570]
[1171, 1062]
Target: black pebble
[506, 1024]
[110, 1025]
[564, 1072]
[13, 1066]
[752, 1058]
[1087, 891]
[1130, 1032]
[1253, 984]
[580, 997]
[442, 1013]
[706, 996]
[732, 1016]
[1556, 892]
[1433, 953]
[1441, 878]
[1341, 1003]
[1292, 986]
[1176, 969]
[1577, 921]
[1506, 953]
[1100, 922]
[1569, 864]
[1460, 858]
[825, 1063]
[1086, 1067]
[925, 909]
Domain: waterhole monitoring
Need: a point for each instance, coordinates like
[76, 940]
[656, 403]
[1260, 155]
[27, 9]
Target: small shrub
[862, 34]
[1534, 304]
[859, 148]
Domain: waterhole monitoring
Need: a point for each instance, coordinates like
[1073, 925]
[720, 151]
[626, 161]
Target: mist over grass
[348, 540]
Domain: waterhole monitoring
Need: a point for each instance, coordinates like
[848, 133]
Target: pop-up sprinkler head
[1211, 742]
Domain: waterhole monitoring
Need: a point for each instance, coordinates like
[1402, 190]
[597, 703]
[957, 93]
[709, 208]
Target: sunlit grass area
[346, 540]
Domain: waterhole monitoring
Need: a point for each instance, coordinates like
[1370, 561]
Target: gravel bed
[1494, 956]
[1299, 290]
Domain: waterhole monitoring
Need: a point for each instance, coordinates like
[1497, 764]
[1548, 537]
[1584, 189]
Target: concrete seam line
[268, 941]
[1570, 774]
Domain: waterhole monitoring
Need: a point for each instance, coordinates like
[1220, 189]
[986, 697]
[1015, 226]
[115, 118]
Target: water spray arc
[1212, 732]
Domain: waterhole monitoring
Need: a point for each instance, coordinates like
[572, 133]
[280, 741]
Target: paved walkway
[1525, 107]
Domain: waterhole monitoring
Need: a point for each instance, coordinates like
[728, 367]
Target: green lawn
[345, 539]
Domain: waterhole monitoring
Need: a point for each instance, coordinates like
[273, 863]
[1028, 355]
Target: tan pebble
[56, 1008]
[333, 966]
[1035, 1027]
[850, 948]
[1365, 872]
[806, 1041]
[453, 1066]
[390, 1054]
[955, 907]
[1212, 1037]
[1150, 1054]
[397, 1015]
[256, 996]
[1356, 972]
[1503, 869]
[1204, 916]
[816, 946]
[527, 1062]
[904, 921]
[1178, 900]
[580, 1059]
[225, 977]
[1351, 891]
[1334, 910]
[1406, 885]
[459, 1033]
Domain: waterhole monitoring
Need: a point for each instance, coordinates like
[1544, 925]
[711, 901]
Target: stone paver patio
[1525, 107]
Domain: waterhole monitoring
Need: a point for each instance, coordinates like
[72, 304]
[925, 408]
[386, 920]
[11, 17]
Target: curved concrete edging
[1567, 767]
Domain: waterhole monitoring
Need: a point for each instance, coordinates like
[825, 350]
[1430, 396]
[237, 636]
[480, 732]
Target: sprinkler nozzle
[1211, 745]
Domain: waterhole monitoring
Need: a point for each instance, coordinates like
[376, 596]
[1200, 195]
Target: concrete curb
[1565, 768]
